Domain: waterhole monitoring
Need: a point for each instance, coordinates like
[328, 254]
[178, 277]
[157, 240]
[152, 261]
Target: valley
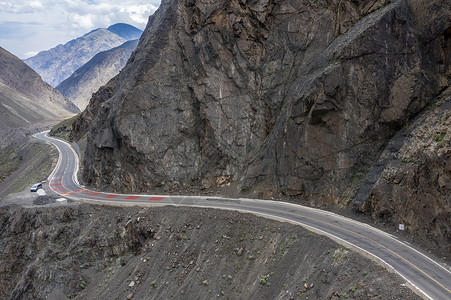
[232, 149]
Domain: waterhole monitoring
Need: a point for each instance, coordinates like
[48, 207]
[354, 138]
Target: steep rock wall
[413, 186]
[267, 97]
[318, 101]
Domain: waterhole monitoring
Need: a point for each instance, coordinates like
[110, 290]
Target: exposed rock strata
[273, 96]
[413, 186]
[26, 102]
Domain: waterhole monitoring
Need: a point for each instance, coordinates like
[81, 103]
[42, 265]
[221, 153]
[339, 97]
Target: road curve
[426, 277]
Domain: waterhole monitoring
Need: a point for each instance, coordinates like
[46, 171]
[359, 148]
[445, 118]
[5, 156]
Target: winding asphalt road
[426, 277]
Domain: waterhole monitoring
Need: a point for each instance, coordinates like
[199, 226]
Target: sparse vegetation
[354, 288]
[264, 280]
[63, 129]
[9, 162]
[23, 165]
[440, 137]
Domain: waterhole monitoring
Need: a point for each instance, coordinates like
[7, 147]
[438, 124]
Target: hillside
[81, 251]
[58, 63]
[80, 86]
[275, 99]
[26, 101]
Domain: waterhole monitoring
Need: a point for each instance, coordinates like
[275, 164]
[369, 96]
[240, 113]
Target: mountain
[57, 64]
[125, 31]
[283, 99]
[25, 99]
[95, 73]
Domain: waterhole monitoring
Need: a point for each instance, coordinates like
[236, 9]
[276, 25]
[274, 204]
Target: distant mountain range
[96, 73]
[57, 64]
[25, 99]
[126, 31]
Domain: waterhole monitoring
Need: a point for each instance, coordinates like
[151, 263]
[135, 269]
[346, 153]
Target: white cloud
[36, 4]
[31, 53]
[140, 13]
[85, 21]
[59, 21]
[21, 7]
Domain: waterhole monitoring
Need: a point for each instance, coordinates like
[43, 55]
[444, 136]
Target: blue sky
[27, 27]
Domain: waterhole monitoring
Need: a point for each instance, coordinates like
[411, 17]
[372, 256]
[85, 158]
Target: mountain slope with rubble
[81, 251]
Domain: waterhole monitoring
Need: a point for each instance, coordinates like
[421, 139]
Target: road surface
[429, 279]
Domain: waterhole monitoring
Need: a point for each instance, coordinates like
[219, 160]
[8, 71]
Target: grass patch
[439, 137]
[63, 129]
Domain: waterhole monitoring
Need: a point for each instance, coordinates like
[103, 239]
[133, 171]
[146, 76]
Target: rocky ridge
[86, 80]
[125, 31]
[26, 101]
[58, 63]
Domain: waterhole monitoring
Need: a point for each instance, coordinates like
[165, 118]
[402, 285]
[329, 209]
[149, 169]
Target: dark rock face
[268, 96]
[95, 73]
[413, 186]
[82, 124]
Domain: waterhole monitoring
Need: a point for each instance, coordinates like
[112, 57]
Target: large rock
[410, 183]
[269, 97]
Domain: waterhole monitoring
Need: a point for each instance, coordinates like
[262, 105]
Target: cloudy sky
[27, 27]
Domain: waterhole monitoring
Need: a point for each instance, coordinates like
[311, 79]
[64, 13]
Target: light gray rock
[58, 63]
[27, 102]
[80, 86]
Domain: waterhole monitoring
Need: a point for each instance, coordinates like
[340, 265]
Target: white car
[36, 187]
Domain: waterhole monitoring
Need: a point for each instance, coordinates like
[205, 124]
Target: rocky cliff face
[273, 97]
[17, 76]
[410, 183]
[57, 64]
[269, 98]
[95, 73]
